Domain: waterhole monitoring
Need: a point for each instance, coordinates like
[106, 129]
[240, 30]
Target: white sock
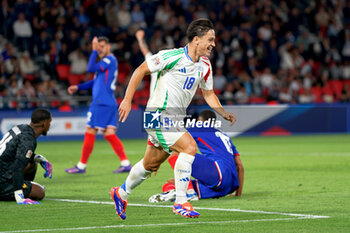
[81, 165]
[125, 163]
[182, 172]
[136, 176]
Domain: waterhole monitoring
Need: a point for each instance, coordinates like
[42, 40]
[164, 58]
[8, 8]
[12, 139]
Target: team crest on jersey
[156, 61]
[29, 153]
[106, 60]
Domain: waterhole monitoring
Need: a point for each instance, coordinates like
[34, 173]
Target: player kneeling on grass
[218, 171]
[18, 162]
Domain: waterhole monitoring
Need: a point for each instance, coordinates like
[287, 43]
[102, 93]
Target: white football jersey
[177, 79]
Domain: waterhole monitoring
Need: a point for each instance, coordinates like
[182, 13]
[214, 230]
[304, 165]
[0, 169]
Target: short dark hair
[207, 114]
[198, 28]
[103, 38]
[40, 115]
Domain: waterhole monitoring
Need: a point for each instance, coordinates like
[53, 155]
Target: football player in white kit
[179, 73]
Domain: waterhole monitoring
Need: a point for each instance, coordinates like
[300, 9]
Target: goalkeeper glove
[23, 201]
[45, 164]
[28, 201]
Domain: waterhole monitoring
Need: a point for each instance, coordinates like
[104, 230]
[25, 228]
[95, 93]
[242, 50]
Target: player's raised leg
[187, 148]
[153, 158]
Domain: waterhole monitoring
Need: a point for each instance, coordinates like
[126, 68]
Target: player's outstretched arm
[213, 101]
[140, 36]
[136, 78]
[240, 172]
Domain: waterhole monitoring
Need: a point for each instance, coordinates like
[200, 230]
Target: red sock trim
[190, 185]
[88, 146]
[172, 160]
[167, 187]
[117, 146]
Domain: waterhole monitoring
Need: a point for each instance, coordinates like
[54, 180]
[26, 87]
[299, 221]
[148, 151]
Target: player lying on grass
[180, 72]
[102, 114]
[218, 171]
[18, 162]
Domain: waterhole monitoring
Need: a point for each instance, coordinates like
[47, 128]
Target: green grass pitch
[289, 182]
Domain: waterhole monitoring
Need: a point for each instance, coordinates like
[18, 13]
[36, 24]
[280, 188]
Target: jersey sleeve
[158, 62]
[234, 149]
[105, 63]
[101, 66]
[86, 85]
[24, 152]
[207, 82]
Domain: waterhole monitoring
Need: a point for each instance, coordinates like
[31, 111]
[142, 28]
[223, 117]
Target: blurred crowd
[267, 51]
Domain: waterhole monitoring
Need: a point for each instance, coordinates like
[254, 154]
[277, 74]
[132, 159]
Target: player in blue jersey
[103, 111]
[218, 171]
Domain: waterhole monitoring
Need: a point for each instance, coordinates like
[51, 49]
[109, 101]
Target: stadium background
[267, 53]
[298, 183]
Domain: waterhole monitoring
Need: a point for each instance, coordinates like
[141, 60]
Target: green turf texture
[294, 174]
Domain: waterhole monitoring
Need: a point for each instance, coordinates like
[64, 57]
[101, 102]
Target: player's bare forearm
[140, 35]
[143, 47]
[213, 101]
[240, 172]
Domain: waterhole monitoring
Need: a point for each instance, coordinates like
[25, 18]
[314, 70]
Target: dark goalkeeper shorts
[7, 190]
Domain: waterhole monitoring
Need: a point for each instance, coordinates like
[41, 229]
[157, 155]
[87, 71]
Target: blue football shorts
[102, 116]
[212, 178]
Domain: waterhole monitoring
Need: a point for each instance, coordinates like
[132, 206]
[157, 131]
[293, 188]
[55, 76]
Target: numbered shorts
[102, 116]
[159, 138]
[7, 190]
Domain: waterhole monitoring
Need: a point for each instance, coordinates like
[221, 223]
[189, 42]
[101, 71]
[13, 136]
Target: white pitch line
[199, 208]
[153, 225]
[329, 153]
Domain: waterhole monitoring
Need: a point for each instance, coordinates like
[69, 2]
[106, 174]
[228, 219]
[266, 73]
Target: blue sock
[123, 187]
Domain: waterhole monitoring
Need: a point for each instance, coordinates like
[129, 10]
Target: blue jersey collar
[186, 52]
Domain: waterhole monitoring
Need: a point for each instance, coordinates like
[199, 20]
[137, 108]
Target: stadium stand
[268, 51]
